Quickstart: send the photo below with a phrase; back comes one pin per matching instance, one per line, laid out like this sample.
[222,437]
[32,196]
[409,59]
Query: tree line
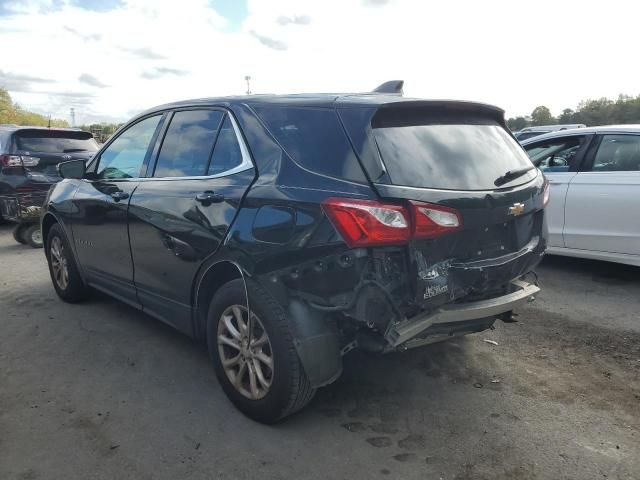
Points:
[101,131]
[12,113]
[603,111]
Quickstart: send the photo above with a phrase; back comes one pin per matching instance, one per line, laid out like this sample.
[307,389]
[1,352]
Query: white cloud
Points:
[148,52]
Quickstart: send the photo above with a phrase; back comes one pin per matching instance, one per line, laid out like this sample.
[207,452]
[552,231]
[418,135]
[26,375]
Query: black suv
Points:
[29,155]
[284,231]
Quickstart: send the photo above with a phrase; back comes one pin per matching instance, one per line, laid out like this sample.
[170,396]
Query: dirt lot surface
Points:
[101,391]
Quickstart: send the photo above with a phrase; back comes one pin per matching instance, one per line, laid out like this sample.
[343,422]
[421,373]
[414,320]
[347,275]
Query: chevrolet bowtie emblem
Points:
[516,209]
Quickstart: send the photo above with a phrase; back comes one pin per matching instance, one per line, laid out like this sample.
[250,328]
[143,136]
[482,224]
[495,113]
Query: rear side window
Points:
[314,139]
[618,153]
[452,156]
[188,143]
[226,153]
[44,141]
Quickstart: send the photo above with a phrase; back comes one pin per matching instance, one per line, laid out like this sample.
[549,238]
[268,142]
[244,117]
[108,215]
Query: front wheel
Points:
[62,267]
[254,356]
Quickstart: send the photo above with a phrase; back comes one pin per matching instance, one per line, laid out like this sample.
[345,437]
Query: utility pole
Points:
[247,79]
[73,116]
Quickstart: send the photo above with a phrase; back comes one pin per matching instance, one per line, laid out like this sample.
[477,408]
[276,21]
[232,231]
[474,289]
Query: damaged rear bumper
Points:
[402,332]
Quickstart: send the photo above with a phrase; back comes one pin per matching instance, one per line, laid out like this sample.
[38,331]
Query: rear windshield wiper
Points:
[512,175]
[70,150]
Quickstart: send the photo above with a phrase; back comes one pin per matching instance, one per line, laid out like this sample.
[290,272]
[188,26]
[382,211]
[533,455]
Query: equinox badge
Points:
[516,209]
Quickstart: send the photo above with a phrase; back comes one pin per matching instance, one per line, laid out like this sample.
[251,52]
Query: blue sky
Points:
[234,11]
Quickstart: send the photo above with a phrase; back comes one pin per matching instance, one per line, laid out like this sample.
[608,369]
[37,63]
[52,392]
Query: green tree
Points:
[542,116]
[567,116]
[517,123]
[11,112]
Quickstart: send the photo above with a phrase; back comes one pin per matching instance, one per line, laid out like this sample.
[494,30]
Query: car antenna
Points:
[49,125]
[392,86]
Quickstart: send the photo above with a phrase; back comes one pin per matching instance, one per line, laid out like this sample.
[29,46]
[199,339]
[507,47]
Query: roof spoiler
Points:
[392,86]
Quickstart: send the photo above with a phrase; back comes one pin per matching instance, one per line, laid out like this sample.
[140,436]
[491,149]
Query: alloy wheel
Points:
[245,352]
[59,264]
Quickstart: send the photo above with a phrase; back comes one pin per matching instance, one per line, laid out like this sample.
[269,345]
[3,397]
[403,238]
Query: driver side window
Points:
[555,155]
[125,156]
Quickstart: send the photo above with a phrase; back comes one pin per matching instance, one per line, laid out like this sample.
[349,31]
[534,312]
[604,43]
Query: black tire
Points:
[290,389]
[73,290]
[33,236]
[18,234]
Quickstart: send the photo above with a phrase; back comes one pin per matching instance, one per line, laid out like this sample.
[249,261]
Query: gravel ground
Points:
[101,391]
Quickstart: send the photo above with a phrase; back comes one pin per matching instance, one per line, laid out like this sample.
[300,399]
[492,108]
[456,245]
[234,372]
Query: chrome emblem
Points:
[66,157]
[516,209]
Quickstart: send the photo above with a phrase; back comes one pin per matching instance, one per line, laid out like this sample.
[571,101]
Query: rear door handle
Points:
[119,195]
[209,197]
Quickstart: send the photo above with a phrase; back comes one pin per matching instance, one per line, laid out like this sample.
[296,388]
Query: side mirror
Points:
[72,169]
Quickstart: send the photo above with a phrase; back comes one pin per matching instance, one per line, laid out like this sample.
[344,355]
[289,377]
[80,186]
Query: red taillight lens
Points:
[10,160]
[18,161]
[434,220]
[366,222]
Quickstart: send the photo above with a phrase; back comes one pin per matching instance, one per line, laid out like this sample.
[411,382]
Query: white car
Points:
[594,172]
[530,132]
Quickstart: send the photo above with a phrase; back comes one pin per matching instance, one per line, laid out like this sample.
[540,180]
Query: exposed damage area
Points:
[391,298]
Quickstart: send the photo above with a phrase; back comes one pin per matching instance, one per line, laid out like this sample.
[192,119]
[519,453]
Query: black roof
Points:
[326,100]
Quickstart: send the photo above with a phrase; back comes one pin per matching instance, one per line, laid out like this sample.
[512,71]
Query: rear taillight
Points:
[367,222]
[10,160]
[431,220]
[18,161]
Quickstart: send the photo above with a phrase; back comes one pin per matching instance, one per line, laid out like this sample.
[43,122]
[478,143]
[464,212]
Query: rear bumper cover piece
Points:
[459,312]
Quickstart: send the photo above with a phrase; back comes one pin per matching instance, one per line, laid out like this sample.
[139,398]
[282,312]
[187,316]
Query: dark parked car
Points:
[29,155]
[285,231]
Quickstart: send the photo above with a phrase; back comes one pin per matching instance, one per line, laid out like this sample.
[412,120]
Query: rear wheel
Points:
[62,267]
[33,236]
[18,234]
[254,356]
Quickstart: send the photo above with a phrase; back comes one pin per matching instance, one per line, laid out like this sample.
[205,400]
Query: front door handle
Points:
[209,197]
[119,195]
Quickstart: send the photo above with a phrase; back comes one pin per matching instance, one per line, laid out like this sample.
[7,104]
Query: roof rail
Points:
[392,86]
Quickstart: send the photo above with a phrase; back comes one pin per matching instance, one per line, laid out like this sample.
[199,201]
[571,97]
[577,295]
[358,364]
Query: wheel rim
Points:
[59,263]
[36,237]
[245,352]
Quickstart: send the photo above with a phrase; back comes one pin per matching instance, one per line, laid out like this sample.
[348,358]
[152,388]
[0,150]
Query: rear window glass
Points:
[314,139]
[43,141]
[451,156]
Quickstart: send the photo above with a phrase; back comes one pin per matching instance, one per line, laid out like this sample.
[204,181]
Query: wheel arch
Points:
[315,336]
[48,221]
[212,279]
